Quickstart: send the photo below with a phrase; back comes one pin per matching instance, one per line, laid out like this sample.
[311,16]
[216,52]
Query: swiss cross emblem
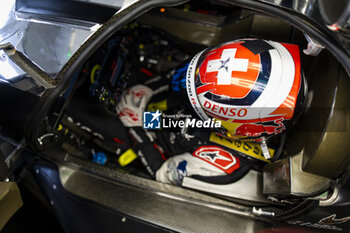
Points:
[230,70]
[226,64]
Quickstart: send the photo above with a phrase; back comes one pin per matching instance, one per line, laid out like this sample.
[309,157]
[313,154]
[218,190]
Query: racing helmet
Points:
[254,87]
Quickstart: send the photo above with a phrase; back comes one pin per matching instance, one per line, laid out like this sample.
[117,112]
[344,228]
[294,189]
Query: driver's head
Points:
[252,86]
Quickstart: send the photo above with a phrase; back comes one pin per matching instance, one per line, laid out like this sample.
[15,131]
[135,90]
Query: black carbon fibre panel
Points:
[168,211]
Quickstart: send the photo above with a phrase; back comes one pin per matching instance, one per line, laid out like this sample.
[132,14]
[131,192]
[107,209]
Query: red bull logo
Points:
[256,130]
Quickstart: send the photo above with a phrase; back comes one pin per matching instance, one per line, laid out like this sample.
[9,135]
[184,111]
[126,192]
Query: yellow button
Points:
[127,157]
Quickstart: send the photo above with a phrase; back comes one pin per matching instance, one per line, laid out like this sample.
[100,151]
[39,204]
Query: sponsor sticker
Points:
[218,157]
[191,89]
[246,147]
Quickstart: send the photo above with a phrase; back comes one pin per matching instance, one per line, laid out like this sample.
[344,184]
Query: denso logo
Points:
[225,111]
